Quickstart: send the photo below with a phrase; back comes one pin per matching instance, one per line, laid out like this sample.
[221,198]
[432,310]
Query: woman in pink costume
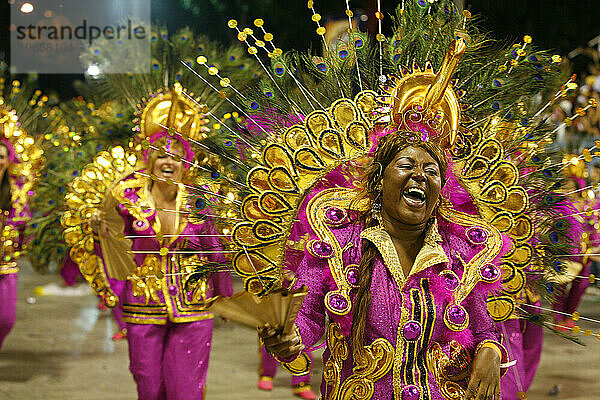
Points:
[420,273]
[15,213]
[168,329]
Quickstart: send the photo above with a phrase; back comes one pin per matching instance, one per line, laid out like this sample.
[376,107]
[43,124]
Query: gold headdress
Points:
[325,140]
[425,97]
[170,109]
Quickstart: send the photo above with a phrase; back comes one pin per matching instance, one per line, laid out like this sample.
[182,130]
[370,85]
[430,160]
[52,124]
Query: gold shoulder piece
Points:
[490,251]
[337,301]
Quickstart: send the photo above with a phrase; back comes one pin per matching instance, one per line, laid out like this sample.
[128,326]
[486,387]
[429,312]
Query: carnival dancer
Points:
[404,284]
[410,257]
[169,331]
[17,177]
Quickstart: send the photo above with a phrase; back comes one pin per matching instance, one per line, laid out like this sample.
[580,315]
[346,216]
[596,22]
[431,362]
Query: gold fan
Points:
[279,309]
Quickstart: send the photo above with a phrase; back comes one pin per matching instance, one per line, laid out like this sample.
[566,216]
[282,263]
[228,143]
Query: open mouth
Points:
[167,171]
[414,196]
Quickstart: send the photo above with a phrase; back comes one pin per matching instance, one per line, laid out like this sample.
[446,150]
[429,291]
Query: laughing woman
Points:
[419,327]
[169,331]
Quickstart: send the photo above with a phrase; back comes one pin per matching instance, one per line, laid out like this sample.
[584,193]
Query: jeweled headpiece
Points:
[423,101]
[170,109]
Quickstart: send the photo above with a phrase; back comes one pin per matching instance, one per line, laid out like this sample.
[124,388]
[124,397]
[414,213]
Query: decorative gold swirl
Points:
[146,279]
[437,363]
[332,370]
[372,364]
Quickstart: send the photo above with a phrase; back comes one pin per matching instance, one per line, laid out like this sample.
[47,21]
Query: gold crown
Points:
[425,97]
[172,109]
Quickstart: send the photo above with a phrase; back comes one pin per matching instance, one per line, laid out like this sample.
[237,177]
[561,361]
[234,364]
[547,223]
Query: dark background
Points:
[555,24]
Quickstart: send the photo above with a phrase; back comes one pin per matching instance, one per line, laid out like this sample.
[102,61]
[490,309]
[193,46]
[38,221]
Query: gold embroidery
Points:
[399,357]
[430,254]
[438,363]
[142,208]
[198,285]
[332,370]
[372,364]
[315,212]
[146,279]
[492,248]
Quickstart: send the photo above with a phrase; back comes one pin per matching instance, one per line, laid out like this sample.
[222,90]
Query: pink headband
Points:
[12,157]
[187,149]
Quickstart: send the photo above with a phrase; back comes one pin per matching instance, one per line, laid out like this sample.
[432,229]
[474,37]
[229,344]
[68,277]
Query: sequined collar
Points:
[430,254]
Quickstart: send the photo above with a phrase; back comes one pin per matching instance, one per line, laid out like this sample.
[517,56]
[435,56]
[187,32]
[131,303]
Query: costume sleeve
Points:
[481,324]
[311,318]
[221,282]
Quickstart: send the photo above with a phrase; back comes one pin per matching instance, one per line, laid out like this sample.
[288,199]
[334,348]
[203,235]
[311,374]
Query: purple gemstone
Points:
[451,281]
[335,215]
[411,331]
[172,290]
[321,249]
[489,272]
[456,315]
[139,223]
[338,302]
[477,235]
[352,276]
[411,392]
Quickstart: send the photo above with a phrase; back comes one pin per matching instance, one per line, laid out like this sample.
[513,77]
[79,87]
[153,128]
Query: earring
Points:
[376,208]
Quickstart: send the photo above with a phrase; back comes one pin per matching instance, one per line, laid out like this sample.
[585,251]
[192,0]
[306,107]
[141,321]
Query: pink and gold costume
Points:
[24,158]
[168,329]
[416,324]
[12,220]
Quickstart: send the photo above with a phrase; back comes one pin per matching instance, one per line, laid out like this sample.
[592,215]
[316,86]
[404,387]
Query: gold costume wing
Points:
[90,194]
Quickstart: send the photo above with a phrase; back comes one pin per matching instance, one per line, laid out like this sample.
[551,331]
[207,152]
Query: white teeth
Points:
[416,192]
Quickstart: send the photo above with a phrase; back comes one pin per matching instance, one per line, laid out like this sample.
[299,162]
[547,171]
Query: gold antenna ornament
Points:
[423,97]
